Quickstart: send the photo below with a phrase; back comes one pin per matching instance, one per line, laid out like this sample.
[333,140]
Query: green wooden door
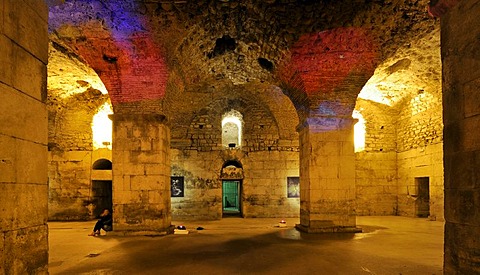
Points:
[231,196]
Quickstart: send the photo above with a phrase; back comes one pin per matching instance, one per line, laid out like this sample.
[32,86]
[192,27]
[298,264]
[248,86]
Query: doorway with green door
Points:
[231,194]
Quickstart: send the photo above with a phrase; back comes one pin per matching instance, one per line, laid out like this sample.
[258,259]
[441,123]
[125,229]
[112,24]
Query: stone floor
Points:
[388,245]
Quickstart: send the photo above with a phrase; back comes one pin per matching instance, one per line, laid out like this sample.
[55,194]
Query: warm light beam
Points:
[102,127]
[359,132]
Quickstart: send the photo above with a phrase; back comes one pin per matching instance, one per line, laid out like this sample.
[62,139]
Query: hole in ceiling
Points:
[223,45]
[110,59]
[265,63]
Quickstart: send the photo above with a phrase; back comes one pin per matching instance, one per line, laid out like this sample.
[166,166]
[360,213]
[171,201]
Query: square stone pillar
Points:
[460,34]
[327,175]
[23,137]
[141,174]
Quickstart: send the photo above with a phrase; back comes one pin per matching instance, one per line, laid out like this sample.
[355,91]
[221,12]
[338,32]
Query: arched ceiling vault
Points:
[319,52]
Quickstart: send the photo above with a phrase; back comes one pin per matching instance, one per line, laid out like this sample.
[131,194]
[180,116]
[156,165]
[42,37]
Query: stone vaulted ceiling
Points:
[320,53]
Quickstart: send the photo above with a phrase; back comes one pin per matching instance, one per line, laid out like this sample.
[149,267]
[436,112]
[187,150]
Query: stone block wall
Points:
[260,131]
[376,166]
[264,186]
[402,143]
[141,173]
[23,137]
[461,82]
[70,178]
[74,97]
[70,119]
[418,163]
[203,188]
[420,150]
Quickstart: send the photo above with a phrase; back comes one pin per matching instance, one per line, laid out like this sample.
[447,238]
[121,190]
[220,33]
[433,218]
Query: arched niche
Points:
[232,169]
[102,164]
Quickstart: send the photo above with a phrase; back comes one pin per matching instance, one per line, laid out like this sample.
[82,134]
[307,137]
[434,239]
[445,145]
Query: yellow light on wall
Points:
[359,132]
[421,102]
[102,127]
[372,93]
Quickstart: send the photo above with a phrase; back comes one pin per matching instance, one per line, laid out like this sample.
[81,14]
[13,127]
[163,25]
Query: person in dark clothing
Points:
[105,223]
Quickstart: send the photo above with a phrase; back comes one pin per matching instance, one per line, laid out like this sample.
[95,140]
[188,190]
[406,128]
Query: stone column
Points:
[460,42]
[141,174]
[327,175]
[23,137]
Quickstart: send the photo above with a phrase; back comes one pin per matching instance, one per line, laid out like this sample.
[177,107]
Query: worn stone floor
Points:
[388,245]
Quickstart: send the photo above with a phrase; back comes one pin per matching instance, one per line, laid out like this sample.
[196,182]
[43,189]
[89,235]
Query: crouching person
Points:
[105,222]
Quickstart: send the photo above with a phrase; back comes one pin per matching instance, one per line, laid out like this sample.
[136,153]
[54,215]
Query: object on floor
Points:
[181,229]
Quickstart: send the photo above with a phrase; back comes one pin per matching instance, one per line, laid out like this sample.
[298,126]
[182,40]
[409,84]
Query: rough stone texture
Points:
[264,183]
[401,105]
[421,162]
[268,153]
[461,75]
[194,61]
[327,175]
[70,120]
[75,94]
[376,166]
[23,137]
[420,130]
[269,116]
[141,173]
[70,178]
[203,188]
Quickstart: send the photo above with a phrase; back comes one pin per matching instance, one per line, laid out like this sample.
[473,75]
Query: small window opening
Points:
[223,45]
[102,127]
[232,124]
[359,132]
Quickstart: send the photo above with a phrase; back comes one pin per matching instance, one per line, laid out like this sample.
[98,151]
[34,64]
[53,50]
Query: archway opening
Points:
[102,164]
[232,175]
[102,197]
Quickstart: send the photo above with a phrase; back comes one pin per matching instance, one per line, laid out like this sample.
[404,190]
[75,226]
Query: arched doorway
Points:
[232,175]
[101,186]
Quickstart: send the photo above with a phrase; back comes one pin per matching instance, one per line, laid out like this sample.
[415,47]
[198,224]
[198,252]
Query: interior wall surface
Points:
[461,100]
[263,184]
[376,166]
[420,151]
[23,137]
[423,162]
[72,104]
[70,177]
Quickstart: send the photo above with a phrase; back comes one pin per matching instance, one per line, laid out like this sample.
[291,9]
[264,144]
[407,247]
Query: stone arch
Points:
[232,169]
[233,162]
[102,164]
[206,124]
